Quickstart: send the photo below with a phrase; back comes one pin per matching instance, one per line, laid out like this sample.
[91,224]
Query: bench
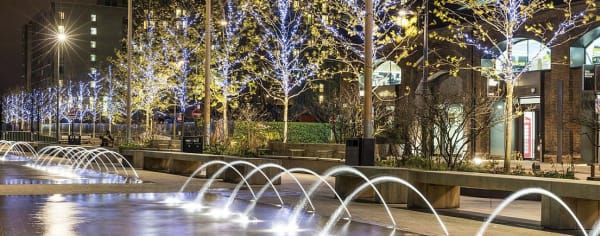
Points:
[324,153]
[442,189]
[296,151]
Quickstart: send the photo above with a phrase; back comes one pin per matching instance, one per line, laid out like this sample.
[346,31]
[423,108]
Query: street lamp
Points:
[61,38]
[207,74]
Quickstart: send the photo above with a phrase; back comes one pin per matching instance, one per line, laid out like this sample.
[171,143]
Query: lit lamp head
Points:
[403,17]
[61,37]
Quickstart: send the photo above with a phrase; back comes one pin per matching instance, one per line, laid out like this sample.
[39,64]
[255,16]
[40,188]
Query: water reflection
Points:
[144,214]
[59,217]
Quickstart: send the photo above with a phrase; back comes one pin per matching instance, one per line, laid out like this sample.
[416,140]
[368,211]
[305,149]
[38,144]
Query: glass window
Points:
[92,57]
[592,52]
[93,31]
[61,15]
[527,55]
[93,70]
[93,44]
[61,29]
[93,17]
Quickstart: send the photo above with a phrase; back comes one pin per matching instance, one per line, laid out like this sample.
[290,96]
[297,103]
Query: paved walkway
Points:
[522,218]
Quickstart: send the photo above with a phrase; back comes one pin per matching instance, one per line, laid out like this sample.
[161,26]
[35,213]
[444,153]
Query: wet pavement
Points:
[145,214]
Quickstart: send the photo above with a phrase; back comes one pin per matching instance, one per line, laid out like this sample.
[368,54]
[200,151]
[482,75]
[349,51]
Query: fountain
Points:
[73,162]
[238,209]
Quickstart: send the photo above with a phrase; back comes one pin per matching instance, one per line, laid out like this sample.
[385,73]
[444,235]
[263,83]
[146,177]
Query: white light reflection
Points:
[58,217]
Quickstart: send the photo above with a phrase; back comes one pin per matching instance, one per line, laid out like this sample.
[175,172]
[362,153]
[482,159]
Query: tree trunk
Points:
[508,125]
[285,119]
[94,124]
[225,125]
[49,126]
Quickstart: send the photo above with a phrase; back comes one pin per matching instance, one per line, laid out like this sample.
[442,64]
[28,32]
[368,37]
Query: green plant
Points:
[130,146]
[216,148]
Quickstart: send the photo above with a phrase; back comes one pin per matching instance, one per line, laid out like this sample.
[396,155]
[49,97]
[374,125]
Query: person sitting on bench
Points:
[106,139]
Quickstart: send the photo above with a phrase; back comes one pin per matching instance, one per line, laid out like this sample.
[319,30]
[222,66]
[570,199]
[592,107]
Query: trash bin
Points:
[352,151]
[191,144]
[74,139]
[360,152]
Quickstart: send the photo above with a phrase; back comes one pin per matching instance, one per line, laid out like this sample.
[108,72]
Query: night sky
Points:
[13,15]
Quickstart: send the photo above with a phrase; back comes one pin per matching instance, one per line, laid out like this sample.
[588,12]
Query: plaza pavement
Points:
[520,218]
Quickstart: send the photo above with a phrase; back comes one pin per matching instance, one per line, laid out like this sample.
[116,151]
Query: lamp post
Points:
[207,74]
[223,24]
[368,104]
[129,65]
[94,108]
[61,37]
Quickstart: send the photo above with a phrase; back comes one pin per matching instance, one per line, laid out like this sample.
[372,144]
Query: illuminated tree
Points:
[113,103]
[149,72]
[82,108]
[46,102]
[182,48]
[287,65]
[95,89]
[494,26]
[231,54]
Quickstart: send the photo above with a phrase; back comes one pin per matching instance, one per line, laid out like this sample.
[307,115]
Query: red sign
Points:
[196,113]
[71,114]
[527,148]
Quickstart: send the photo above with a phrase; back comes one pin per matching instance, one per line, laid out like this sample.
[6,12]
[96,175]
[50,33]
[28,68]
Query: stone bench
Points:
[316,164]
[442,189]
[186,163]
[173,162]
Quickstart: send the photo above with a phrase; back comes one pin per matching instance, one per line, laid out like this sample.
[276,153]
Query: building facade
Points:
[93,30]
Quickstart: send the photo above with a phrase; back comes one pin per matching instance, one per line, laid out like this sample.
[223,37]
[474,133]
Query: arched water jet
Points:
[596,228]
[98,154]
[336,215]
[19,149]
[524,192]
[265,186]
[297,170]
[206,165]
[88,157]
[81,160]
[231,165]
[334,171]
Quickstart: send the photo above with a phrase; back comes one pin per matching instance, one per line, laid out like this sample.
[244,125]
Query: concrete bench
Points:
[442,189]
[315,164]
[172,162]
[186,163]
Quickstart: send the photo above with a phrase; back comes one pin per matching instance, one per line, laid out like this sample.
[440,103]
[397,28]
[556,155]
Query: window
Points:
[592,52]
[92,57]
[527,55]
[92,44]
[61,15]
[93,17]
[93,70]
[93,31]
[61,29]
